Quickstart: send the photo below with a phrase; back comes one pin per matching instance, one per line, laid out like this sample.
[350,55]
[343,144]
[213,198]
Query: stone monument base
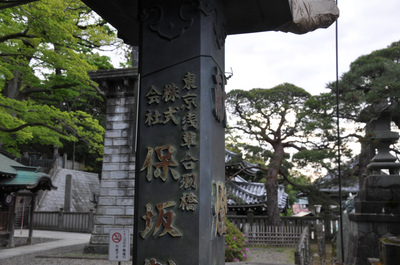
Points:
[389,249]
[365,231]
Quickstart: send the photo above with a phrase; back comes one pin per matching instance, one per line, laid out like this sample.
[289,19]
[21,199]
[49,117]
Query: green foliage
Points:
[46,97]
[279,129]
[26,122]
[100,62]
[235,243]
[266,120]
[371,86]
[298,182]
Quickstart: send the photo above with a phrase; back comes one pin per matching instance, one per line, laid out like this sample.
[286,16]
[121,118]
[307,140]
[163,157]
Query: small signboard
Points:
[119,245]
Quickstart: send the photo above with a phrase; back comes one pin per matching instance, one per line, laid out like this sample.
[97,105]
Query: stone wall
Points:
[365,232]
[83,186]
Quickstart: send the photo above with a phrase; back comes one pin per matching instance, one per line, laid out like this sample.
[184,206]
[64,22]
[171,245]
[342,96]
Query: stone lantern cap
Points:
[243,16]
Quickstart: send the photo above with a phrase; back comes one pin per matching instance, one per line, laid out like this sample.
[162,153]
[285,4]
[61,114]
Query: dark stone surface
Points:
[378,211]
[365,228]
[365,252]
[382,207]
[390,251]
[254,16]
[381,228]
[371,239]
[4,238]
[177,141]
[383,181]
[394,228]
[373,217]
[96,249]
[380,194]
[359,261]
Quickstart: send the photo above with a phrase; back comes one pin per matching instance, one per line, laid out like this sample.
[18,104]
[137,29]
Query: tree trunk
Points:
[272,202]
[11,88]
[367,150]
[272,186]
[366,154]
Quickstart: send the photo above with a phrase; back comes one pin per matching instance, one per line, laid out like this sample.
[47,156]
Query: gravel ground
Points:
[73,255]
[271,255]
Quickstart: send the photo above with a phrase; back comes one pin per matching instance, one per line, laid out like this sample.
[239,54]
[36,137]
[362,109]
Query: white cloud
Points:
[267,59]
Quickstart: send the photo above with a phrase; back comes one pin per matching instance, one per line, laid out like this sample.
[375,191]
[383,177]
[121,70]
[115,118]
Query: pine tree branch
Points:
[16,36]
[30,90]
[99,92]
[34,124]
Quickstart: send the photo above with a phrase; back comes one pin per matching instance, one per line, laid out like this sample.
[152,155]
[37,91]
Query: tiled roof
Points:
[235,160]
[8,167]
[326,183]
[253,193]
[16,176]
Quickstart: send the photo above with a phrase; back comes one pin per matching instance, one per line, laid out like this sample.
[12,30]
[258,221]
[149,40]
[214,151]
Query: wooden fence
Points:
[287,236]
[64,221]
[330,223]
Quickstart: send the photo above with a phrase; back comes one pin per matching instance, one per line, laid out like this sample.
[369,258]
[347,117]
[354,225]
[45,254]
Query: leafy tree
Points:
[371,86]
[271,125]
[298,183]
[267,117]
[46,96]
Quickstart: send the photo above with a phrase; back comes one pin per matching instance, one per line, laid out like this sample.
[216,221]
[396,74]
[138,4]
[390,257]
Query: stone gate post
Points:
[180,207]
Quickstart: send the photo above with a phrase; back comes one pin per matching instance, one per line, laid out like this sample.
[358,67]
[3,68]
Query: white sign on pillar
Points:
[119,245]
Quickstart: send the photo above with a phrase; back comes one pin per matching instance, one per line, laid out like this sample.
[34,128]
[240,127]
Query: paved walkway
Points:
[45,253]
[63,239]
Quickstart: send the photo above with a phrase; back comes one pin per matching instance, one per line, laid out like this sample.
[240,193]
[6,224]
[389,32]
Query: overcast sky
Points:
[267,59]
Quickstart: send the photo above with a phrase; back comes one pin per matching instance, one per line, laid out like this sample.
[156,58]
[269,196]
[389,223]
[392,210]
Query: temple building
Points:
[17,180]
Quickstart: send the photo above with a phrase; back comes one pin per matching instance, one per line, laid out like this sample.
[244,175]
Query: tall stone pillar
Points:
[378,211]
[180,202]
[116,198]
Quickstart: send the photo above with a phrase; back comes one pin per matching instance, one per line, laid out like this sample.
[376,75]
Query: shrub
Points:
[235,243]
